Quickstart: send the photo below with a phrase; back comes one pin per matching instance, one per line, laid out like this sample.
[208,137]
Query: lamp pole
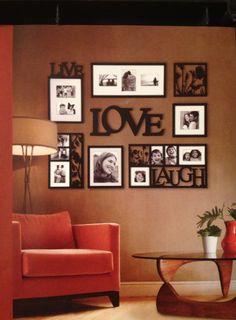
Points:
[27,158]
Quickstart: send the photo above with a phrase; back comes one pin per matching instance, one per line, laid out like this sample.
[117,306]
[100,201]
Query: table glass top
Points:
[219,255]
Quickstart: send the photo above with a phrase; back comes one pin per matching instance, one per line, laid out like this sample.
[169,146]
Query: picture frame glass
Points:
[65,99]
[105,166]
[189,120]
[128,80]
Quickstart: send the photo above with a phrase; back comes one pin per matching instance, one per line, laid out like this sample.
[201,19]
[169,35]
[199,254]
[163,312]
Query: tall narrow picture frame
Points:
[105,166]
[127,79]
[65,99]
[66,167]
[190,79]
[190,120]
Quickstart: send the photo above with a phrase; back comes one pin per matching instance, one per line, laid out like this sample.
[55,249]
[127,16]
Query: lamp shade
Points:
[28,133]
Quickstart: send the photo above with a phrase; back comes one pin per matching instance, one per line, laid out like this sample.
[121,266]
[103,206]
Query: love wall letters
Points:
[152,123]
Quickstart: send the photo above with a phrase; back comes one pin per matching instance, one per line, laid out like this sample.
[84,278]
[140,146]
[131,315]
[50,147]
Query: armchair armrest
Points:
[102,236]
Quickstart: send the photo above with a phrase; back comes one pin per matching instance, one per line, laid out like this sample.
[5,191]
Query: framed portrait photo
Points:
[189,120]
[133,80]
[190,155]
[66,165]
[190,79]
[139,177]
[65,99]
[105,166]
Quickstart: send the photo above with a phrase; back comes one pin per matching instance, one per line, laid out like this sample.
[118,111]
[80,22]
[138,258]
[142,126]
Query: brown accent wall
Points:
[6,172]
[150,219]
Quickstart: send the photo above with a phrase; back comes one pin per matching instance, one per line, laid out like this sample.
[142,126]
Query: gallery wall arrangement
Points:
[172,165]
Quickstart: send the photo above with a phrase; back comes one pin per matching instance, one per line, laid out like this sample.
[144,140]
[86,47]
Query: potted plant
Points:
[210,232]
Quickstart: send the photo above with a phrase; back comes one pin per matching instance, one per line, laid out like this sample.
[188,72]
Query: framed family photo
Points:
[190,155]
[134,80]
[190,79]
[189,120]
[66,166]
[65,99]
[105,166]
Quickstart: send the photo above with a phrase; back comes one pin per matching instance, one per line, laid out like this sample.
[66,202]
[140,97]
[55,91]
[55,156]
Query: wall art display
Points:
[168,165]
[66,166]
[137,80]
[65,99]
[189,120]
[105,166]
[190,79]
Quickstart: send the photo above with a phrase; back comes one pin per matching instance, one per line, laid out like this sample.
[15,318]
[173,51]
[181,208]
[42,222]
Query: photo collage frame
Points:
[168,165]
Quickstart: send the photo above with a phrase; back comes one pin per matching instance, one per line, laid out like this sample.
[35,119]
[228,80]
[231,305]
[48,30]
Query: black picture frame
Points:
[105,166]
[66,99]
[155,166]
[190,120]
[128,79]
[190,79]
[70,155]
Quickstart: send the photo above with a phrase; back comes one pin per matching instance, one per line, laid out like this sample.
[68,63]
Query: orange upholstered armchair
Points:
[51,257]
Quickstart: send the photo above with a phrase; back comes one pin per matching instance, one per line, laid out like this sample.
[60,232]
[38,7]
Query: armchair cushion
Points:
[46,231]
[66,262]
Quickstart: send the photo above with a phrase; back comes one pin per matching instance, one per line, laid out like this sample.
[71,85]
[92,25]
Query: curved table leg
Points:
[170,302]
[225,272]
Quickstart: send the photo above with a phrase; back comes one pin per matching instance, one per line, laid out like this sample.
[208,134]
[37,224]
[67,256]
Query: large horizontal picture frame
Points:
[128,79]
[190,120]
[105,167]
[66,167]
[65,99]
[168,166]
[190,79]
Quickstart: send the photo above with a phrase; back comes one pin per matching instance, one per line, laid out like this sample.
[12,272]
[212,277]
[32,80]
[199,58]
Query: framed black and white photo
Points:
[190,79]
[192,155]
[65,99]
[140,176]
[66,166]
[105,166]
[189,120]
[134,80]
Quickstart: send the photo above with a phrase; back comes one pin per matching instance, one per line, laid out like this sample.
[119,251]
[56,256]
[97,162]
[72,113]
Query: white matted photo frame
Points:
[190,120]
[105,166]
[126,79]
[65,99]
[190,155]
[139,177]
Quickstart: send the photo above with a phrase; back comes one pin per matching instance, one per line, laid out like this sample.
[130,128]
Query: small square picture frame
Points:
[105,167]
[190,120]
[65,99]
[190,79]
[190,155]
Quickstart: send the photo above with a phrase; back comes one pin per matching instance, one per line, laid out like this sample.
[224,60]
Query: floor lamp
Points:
[32,137]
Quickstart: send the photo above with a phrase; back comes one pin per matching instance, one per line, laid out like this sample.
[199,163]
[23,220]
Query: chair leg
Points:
[114,297]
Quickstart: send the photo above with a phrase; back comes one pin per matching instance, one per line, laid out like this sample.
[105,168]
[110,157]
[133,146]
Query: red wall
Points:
[6,171]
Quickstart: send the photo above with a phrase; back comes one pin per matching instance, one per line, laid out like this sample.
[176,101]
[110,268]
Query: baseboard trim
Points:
[150,288]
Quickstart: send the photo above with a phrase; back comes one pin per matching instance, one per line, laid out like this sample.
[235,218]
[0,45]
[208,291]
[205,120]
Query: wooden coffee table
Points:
[170,302]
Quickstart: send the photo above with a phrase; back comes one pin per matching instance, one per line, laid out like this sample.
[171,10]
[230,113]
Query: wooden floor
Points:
[138,308]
